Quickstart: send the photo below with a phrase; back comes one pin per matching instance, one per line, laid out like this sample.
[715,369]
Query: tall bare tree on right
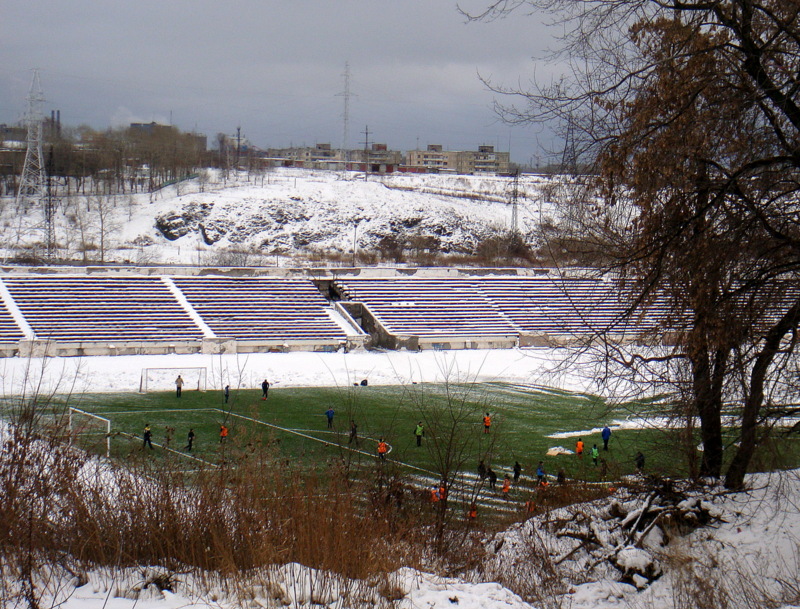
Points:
[689,113]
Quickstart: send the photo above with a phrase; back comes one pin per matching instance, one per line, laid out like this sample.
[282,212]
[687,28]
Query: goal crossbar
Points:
[195,377]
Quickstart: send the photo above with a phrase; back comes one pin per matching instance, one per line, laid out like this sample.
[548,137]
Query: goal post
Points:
[163,379]
[82,423]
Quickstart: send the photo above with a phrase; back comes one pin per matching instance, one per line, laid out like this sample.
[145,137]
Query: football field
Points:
[292,422]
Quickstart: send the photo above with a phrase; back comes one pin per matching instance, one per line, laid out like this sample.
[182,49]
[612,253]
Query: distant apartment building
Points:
[377,159]
[319,156]
[485,160]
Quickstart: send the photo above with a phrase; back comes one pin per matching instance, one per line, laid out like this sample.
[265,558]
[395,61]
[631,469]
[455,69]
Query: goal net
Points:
[90,430]
[163,379]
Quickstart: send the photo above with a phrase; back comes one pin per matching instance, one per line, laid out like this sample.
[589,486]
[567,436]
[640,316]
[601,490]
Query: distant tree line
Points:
[115,161]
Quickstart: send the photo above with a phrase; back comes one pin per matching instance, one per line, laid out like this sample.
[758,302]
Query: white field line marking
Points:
[187,410]
[172,450]
[304,435]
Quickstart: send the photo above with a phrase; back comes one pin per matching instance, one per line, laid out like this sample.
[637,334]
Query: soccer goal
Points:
[163,379]
[90,428]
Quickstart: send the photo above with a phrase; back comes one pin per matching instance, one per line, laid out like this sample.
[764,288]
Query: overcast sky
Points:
[276,69]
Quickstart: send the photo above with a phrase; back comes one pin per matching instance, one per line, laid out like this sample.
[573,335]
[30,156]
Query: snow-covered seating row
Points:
[539,305]
[9,330]
[79,309]
[428,307]
[254,308]
[571,306]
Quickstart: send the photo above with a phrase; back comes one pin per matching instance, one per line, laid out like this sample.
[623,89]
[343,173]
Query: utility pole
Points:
[238,146]
[49,209]
[514,200]
[366,153]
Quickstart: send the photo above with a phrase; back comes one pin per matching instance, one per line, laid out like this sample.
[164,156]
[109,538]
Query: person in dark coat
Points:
[329,413]
[148,437]
[227,393]
[190,440]
[517,471]
[353,433]
[492,476]
[264,389]
[481,470]
[639,460]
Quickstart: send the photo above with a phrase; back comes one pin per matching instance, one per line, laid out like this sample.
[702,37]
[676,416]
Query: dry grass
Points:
[59,507]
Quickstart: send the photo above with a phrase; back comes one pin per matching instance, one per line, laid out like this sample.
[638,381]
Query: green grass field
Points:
[292,422]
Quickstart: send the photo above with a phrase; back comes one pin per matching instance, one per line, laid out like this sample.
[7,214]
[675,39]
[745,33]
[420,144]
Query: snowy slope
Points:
[284,212]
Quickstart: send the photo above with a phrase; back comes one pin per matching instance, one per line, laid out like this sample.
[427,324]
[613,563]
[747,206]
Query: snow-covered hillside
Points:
[265,218]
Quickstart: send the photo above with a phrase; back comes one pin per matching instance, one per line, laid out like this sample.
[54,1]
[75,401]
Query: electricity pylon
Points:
[31,191]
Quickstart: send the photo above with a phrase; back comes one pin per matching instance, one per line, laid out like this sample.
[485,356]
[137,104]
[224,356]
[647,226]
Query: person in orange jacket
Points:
[434,494]
[506,486]
[223,433]
[487,423]
[472,513]
[383,448]
[579,447]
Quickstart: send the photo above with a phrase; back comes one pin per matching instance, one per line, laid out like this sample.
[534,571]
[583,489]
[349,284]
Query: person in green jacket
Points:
[595,454]
[419,431]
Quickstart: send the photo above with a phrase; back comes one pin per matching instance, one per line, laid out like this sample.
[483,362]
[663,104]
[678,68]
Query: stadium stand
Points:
[428,307]
[92,314]
[81,309]
[261,309]
[538,305]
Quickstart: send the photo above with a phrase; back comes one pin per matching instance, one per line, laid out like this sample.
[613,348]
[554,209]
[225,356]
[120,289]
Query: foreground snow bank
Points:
[661,547]
[289,585]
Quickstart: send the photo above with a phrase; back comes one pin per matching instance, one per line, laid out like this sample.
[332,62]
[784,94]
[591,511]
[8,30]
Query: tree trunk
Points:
[707,388]
[734,478]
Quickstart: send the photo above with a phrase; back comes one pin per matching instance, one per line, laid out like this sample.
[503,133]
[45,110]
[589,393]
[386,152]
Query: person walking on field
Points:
[487,423]
[264,389]
[227,393]
[353,433]
[595,454]
[223,433]
[189,440]
[517,471]
[639,460]
[329,413]
[606,435]
[178,386]
[148,437]
[540,473]
[506,486]
[419,431]
[383,448]
[492,476]
[579,447]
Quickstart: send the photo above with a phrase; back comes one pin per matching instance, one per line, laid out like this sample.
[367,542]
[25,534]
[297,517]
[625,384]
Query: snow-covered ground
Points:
[538,367]
[282,217]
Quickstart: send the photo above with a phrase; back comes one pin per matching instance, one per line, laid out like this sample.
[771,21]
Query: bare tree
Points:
[690,113]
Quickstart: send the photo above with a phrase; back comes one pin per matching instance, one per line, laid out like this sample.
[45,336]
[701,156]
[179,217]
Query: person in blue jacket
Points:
[606,435]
